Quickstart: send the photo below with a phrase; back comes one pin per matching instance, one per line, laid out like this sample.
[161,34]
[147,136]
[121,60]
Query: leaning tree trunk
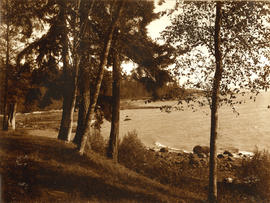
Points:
[114,135]
[70,88]
[103,62]
[212,196]
[12,107]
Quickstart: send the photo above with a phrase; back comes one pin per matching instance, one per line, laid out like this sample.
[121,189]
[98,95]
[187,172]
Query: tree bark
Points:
[114,134]
[70,80]
[212,196]
[84,102]
[67,114]
[5,119]
[84,82]
[103,62]
[12,107]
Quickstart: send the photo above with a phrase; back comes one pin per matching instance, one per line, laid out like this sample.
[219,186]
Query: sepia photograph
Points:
[134,101]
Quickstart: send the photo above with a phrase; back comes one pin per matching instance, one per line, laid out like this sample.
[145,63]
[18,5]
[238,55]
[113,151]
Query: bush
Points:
[97,143]
[135,156]
[132,152]
[255,172]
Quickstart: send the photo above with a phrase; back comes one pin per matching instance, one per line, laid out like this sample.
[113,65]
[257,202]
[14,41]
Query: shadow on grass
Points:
[38,168]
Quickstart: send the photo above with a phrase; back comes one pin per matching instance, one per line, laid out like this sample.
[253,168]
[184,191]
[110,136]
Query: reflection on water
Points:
[185,129]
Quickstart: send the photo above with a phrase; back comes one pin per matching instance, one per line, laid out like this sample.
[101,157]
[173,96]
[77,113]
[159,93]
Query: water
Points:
[185,129]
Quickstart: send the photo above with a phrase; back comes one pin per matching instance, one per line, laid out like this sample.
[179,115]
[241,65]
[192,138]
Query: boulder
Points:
[164,149]
[201,155]
[228,153]
[201,150]
[220,156]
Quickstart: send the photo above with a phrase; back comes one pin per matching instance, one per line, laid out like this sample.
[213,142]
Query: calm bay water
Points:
[185,129]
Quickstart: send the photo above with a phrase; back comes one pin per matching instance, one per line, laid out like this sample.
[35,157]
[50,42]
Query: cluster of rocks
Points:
[227,160]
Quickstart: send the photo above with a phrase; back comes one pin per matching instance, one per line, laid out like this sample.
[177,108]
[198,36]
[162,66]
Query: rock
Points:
[179,154]
[201,150]
[220,156]
[228,153]
[164,149]
[202,155]
[127,119]
[194,162]
[229,159]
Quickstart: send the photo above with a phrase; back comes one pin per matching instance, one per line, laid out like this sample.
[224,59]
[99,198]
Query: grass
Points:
[42,169]
[134,155]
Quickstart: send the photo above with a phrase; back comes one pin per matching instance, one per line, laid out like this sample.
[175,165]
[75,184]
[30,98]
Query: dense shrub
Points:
[134,155]
[132,152]
[255,172]
[97,143]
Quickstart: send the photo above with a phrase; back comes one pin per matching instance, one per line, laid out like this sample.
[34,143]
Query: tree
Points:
[17,23]
[56,45]
[212,196]
[130,42]
[70,73]
[225,56]
[103,62]
[114,134]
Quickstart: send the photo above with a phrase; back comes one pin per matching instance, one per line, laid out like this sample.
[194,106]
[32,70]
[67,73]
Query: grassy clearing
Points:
[40,169]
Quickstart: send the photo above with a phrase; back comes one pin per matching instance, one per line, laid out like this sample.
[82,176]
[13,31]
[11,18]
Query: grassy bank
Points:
[36,167]
[41,169]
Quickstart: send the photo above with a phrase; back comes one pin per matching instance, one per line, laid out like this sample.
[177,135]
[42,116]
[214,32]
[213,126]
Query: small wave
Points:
[158,145]
[246,153]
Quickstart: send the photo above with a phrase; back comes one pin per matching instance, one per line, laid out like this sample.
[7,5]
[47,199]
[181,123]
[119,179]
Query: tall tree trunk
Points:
[103,62]
[83,84]
[212,196]
[12,107]
[67,114]
[84,102]
[114,135]
[5,120]
[70,88]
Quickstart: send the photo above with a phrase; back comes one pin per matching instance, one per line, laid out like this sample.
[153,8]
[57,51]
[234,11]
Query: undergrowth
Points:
[255,172]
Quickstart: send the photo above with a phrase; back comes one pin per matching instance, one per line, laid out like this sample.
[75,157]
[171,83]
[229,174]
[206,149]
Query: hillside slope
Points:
[42,169]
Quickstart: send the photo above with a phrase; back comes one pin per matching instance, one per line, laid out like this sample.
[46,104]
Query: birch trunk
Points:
[103,62]
[12,107]
[212,196]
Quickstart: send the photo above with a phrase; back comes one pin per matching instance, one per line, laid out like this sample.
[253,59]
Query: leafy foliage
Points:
[245,45]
